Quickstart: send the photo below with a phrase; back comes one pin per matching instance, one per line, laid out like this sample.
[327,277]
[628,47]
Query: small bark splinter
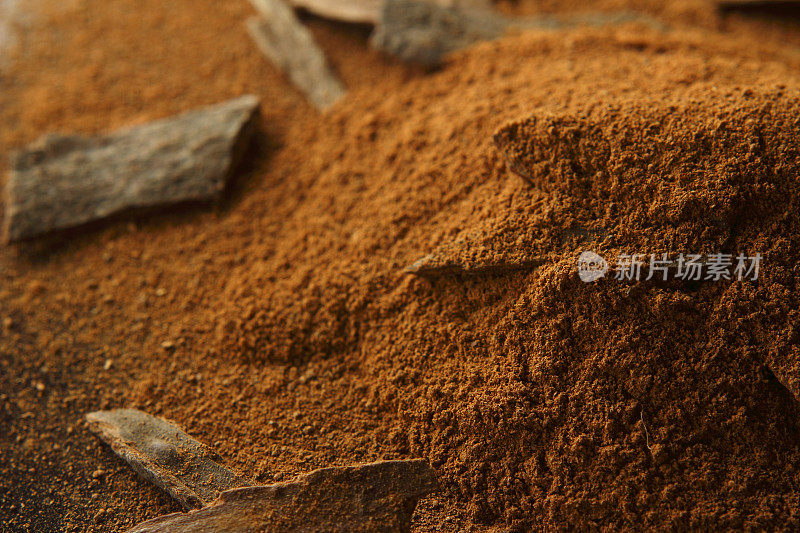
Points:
[162,453]
[376,497]
[286,42]
[432,266]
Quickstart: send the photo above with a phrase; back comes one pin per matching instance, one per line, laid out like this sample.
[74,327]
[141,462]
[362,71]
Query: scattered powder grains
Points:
[296,340]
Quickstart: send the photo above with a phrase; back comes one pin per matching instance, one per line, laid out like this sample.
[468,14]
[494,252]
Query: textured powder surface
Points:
[282,330]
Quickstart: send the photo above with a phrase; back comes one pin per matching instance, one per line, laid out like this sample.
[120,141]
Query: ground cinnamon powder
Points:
[281,329]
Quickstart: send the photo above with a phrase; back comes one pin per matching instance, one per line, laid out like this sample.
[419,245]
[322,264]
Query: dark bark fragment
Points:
[162,453]
[61,182]
[286,42]
[376,497]
[424,32]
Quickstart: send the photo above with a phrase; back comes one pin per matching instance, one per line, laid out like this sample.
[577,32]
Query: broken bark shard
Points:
[424,32]
[434,266]
[356,11]
[375,497]
[61,182]
[287,43]
[162,453]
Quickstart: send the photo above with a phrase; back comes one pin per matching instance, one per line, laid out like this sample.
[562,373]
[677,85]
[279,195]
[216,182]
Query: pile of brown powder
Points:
[282,329]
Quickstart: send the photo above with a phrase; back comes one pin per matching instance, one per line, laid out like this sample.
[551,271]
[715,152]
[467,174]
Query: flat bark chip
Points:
[61,182]
[162,453]
[286,42]
[376,497]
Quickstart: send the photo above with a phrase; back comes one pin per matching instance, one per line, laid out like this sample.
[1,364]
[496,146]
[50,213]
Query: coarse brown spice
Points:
[281,328]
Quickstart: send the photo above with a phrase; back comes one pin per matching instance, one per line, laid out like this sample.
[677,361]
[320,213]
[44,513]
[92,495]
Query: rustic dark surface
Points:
[64,181]
[161,452]
[376,497]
